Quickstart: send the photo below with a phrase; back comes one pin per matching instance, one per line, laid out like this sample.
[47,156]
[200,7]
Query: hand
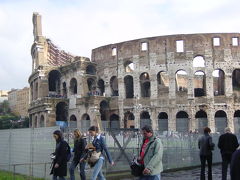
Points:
[56,165]
[146,171]
[112,163]
[81,160]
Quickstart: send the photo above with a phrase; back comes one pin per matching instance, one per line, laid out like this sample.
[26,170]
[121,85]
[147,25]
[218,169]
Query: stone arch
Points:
[91,84]
[145,85]
[104,112]
[54,81]
[181,81]
[42,121]
[237,121]
[220,121]
[236,80]
[202,120]
[198,61]
[129,66]
[163,121]
[182,122]
[145,119]
[199,84]
[114,121]
[90,69]
[129,88]
[101,86]
[73,122]
[114,85]
[61,111]
[163,83]
[129,120]
[85,122]
[218,82]
[73,86]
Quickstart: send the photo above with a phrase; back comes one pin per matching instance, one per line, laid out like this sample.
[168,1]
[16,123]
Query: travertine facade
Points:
[19,101]
[177,82]
[3,95]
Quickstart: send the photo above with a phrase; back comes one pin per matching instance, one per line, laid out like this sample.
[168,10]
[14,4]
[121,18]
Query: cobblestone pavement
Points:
[193,174]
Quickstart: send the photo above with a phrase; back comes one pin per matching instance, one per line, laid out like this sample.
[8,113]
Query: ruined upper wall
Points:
[163,46]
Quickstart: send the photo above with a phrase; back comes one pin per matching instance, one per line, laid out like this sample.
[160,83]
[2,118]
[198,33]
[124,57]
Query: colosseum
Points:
[175,83]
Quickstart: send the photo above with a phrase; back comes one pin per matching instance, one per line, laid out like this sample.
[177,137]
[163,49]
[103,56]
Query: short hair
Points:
[93,128]
[58,133]
[147,128]
[227,129]
[206,130]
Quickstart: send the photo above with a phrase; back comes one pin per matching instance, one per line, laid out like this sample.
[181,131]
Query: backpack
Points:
[69,154]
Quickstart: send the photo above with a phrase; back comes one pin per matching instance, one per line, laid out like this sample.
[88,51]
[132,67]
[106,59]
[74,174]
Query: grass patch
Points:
[9,176]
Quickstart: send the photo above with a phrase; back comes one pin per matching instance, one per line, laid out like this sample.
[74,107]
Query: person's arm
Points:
[104,146]
[82,146]
[157,156]
[235,142]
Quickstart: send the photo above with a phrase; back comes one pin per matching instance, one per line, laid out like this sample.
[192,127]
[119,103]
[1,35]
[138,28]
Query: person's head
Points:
[206,130]
[227,130]
[77,133]
[147,131]
[93,130]
[57,135]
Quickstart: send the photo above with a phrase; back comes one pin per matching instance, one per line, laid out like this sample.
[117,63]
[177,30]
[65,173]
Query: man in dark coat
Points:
[227,143]
[59,167]
[235,164]
[206,146]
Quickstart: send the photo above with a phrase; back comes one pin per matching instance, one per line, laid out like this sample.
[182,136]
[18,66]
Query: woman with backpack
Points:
[99,146]
[59,166]
[79,148]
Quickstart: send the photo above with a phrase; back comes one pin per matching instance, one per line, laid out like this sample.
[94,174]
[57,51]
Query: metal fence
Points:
[27,151]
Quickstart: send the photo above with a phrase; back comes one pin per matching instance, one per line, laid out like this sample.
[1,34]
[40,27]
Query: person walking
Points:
[59,166]
[99,145]
[151,155]
[79,148]
[206,146]
[227,144]
[235,164]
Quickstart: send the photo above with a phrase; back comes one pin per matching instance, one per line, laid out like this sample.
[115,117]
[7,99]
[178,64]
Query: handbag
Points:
[137,168]
[92,157]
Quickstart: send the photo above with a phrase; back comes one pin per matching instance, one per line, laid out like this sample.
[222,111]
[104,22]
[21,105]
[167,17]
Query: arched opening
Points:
[73,86]
[54,82]
[199,84]
[101,86]
[129,89]
[237,122]
[61,114]
[163,83]
[73,122]
[114,121]
[129,66]
[64,89]
[145,85]
[91,85]
[163,121]
[85,122]
[218,82]
[41,124]
[104,112]
[114,85]
[201,120]
[236,80]
[182,122]
[198,61]
[181,81]
[145,119]
[129,120]
[220,121]
[91,70]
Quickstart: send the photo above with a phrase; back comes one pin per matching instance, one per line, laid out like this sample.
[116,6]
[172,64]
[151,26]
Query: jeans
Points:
[154,177]
[226,159]
[97,170]
[55,178]
[82,170]
[203,159]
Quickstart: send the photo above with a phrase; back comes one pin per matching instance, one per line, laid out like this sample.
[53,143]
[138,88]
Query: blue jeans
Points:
[82,170]
[154,177]
[97,170]
[55,178]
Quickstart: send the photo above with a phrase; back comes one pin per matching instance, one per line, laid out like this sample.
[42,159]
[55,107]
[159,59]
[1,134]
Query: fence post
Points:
[14,166]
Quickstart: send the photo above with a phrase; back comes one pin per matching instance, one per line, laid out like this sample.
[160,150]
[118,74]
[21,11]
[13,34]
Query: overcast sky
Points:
[78,26]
